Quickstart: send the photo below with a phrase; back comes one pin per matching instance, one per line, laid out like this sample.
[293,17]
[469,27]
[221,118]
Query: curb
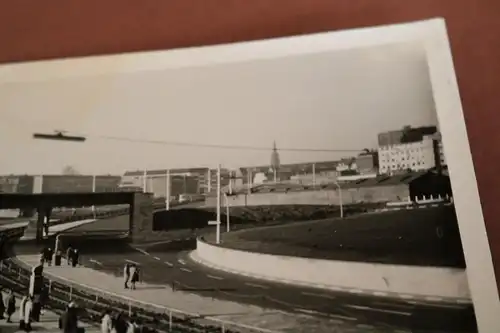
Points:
[407,297]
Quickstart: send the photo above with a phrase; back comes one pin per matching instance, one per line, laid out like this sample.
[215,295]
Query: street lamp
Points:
[217,221]
[227,212]
[340,200]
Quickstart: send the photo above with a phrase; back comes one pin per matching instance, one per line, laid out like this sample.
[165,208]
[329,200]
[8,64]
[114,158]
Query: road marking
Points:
[131,261]
[256,285]
[356,291]
[317,295]
[366,308]
[337,316]
[433,298]
[185,270]
[182,262]
[380,293]
[95,262]
[396,305]
[157,258]
[142,251]
[306,311]
[214,277]
[169,264]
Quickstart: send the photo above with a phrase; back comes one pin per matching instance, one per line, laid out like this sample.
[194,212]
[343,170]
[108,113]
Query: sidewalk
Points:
[247,318]
[49,322]
[56,229]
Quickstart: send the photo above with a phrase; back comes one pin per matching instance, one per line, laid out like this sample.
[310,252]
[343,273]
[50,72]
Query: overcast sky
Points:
[336,100]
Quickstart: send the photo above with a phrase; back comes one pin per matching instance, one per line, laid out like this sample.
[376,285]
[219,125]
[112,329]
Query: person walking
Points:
[11,305]
[106,322]
[2,306]
[126,275]
[22,316]
[76,257]
[134,275]
[69,255]
[68,322]
[28,314]
[48,258]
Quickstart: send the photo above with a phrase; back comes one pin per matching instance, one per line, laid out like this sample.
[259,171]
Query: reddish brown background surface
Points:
[34,30]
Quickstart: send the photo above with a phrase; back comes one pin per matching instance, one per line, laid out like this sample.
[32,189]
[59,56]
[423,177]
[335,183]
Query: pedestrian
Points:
[22,308]
[28,314]
[76,257]
[134,275]
[46,227]
[11,305]
[2,306]
[120,324]
[68,321]
[44,297]
[37,307]
[106,322]
[69,255]
[50,253]
[126,275]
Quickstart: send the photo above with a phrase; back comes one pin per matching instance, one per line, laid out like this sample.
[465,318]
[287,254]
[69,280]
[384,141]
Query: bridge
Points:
[140,212]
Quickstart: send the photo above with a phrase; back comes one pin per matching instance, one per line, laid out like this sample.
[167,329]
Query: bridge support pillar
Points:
[141,218]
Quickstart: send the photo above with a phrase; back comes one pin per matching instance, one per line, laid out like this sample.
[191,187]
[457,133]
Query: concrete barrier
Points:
[412,282]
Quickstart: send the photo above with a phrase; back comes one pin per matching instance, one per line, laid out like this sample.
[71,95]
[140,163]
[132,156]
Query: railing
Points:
[16,277]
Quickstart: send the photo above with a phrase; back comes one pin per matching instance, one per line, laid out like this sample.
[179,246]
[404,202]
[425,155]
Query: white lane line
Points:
[366,308]
[169,263]
[440,305]
[157,258]
[433,298]
[396,305]
[214,277]
[95,262]
[132,262]
[186,270]
[256,285]
[342,317]
[356,291]
[142,251]
[317,295]
[182,262]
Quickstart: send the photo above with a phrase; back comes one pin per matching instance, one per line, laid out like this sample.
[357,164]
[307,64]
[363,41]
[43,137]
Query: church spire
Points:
[275,161]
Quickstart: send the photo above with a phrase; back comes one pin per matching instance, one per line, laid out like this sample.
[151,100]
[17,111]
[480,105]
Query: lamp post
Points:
[167,190]
[144,181]
[340,200]
[217,222]
[228,218]
[93,191]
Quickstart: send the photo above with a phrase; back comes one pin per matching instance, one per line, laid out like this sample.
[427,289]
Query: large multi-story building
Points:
[416,149]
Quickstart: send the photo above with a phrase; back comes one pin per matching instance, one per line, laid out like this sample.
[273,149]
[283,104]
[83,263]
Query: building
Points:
[405,135]
[367,163]
[415,149]
[58,183]
[182,181]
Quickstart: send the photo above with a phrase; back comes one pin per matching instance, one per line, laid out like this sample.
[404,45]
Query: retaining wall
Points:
[318,197]
[379,279]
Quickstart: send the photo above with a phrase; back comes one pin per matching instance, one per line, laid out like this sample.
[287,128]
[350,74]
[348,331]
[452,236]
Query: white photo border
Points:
[433,36]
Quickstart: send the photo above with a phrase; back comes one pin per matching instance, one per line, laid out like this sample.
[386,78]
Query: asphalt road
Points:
[169,264]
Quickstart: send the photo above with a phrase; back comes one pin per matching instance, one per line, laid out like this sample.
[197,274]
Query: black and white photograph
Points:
[318,183]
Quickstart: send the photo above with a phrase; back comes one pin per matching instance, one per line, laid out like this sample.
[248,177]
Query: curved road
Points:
[169,264]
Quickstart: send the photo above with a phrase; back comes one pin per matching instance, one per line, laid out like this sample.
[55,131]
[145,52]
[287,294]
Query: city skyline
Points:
[252,103]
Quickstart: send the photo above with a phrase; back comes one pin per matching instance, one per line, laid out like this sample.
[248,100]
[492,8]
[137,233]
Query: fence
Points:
[17,278]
